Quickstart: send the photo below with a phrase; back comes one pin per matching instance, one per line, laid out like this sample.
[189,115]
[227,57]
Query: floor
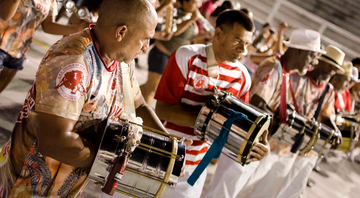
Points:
[344,175]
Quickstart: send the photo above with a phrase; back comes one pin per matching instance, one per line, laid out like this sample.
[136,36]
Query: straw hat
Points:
[306,40]
[334,56]
[348,68]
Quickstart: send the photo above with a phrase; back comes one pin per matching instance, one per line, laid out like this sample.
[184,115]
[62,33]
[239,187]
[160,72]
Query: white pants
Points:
[230,177]
[299,176]
[270,179]
[182,189]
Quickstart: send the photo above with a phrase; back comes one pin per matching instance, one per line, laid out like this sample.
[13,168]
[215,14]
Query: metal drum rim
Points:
[245,145]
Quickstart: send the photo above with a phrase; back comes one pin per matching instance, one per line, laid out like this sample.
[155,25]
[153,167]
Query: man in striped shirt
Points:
[185,87]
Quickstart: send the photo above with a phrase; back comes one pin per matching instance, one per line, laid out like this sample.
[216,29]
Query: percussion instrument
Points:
[81,12]
[294,129]
[349,137]
[243,134]
[151,170]
[327,137]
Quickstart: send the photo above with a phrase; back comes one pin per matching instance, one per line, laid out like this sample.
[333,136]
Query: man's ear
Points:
[120,32]
[218,32]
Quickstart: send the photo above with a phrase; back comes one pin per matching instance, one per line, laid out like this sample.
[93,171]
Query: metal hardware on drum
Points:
[242,134]
[294,125]
[152,169]
[327,137]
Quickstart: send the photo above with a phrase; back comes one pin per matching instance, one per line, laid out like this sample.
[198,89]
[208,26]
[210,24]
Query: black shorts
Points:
[157,60]
[9,62]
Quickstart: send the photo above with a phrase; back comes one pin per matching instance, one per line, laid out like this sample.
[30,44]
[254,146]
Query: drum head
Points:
[261,124]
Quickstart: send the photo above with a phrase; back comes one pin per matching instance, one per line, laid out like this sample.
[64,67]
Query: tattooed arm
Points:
[8,8]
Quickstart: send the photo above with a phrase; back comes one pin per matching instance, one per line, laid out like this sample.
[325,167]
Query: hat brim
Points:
[287,43]
[340,69]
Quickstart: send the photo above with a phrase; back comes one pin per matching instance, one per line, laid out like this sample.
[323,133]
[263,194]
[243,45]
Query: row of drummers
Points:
[297,129]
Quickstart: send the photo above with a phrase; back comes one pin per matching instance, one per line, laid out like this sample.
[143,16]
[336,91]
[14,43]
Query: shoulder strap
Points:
[129,105]
[211,62]
[321,100]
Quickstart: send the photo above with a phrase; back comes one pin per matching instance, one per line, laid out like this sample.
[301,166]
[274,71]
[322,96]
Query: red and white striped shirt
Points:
[185,81]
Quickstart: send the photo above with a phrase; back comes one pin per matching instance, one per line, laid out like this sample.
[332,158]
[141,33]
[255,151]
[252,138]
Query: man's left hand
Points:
[259,150]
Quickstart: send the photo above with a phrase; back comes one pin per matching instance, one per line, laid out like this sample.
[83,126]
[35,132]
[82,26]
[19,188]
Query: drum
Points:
[243,134]
[295,126]
[152,169]
[324,142]
[349,137]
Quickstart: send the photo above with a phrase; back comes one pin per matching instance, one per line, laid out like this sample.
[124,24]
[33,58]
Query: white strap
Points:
[129,107]
[211,62]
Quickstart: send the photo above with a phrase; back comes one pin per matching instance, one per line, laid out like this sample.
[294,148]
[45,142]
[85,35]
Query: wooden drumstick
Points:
[117,168]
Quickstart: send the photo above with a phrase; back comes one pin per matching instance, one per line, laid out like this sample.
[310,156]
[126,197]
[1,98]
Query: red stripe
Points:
[230,79]
[182,129]
[192,162]
[194,152]
[198,70]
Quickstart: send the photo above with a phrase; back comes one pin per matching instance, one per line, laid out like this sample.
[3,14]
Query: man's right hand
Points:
[187,143]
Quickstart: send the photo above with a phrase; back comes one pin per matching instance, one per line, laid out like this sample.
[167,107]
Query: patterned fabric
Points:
[17,33]
[72,82]
[185,81]
[267,82]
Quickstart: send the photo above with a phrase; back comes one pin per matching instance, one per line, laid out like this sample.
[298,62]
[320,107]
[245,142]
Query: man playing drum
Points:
[306,91]
[78,84]
[185,86]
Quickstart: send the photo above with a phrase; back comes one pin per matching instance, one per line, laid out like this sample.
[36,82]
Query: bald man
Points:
[78,84]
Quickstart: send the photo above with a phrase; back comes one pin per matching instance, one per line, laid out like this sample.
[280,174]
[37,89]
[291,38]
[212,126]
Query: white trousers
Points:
[299,176]
[182,189]
[269,180]
[230,177]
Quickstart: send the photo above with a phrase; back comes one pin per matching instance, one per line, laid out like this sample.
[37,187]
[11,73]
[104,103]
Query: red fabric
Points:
[185,80]
[283,102]
[171,89]
[208,7]
[347,101]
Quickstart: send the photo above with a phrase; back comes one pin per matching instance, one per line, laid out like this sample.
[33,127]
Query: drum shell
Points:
[146,168]
[327,137]
[348,141]
[294,125]
[243,133]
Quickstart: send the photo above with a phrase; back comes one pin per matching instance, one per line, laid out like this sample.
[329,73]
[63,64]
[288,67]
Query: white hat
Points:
[306,40]
[348,68]
[355,75]
[335,57]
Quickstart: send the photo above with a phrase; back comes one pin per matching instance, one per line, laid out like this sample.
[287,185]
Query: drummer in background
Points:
[268,81]
[317,84]
[71,93]
[342,83]
[185,87]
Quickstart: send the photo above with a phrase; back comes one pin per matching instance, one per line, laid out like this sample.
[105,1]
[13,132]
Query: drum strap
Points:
[283,96]
[321,101]
[129,106]
[217,145]
[212,66]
